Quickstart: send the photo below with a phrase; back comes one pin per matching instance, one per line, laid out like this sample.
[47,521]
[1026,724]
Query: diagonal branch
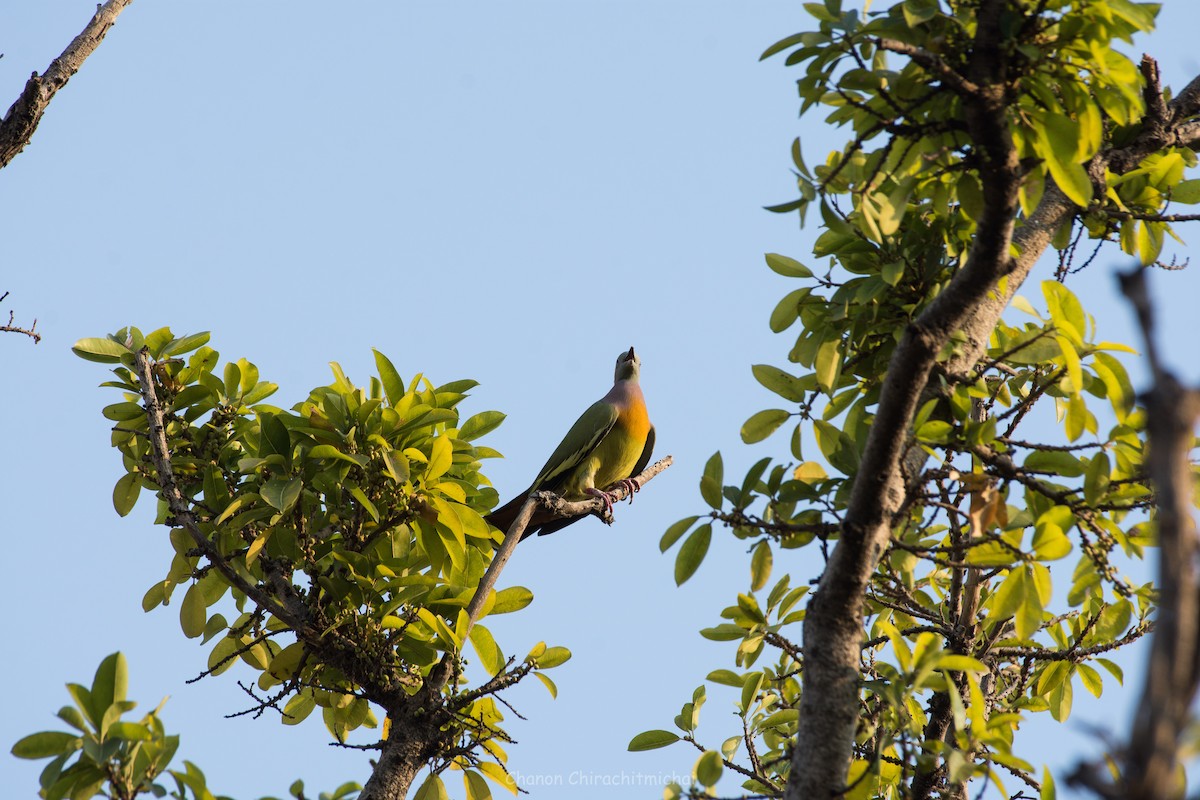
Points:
[440,674]
[932,64]
[19,124]
[160,455]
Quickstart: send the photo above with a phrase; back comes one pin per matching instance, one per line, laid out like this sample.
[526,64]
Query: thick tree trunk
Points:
[398,765]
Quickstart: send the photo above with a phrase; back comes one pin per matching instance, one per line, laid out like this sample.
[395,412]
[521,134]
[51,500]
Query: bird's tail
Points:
[542,522]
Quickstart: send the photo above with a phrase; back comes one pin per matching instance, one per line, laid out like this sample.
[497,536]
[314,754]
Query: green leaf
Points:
[763,424]
[490,657]
[674,532]
[298,708]
[1091,679]
[549,684]
[1065,311]
[125,493]
[275,439]
[104,351]
[281,494]
[917,12]
[497,775]
[781,383]
[478,425]
[514,598]
[725,677]
[432,789]
[1116,382]
[440,458]
[1029,613]
[1050,541]
[960,663]
[393,384]
[130,731]
[1054,462]
[1097,480]
[787,267]
[193,613]
[651,740]
[1008,598]
[329,451]
[708,767]
[110,683]
[828,364]
[760,566]
[695,547]
[711,482]
[553,657]
[1059,139]
[185,344]
[787,310]
[46,744]
[476,786]
[1186,192]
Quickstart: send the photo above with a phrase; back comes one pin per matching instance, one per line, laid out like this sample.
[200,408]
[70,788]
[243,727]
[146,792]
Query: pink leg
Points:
[607,497]
[631,486]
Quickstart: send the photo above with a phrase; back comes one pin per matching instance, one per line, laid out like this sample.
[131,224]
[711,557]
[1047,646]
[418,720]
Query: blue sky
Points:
[512,193]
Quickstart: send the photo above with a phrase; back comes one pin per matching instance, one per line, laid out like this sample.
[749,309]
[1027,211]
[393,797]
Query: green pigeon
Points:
[609,444]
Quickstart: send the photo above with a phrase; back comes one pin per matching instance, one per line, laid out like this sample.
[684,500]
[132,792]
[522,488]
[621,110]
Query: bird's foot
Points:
[608,497]
[631,486]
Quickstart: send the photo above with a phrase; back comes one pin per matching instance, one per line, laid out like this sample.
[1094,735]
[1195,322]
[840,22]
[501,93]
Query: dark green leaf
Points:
[651,740]
[711,482]
[125,493]
[674,532]
[763,424]
[695,547]
[45,744]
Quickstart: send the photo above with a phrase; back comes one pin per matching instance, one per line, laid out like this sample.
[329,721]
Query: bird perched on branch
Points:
[609,444]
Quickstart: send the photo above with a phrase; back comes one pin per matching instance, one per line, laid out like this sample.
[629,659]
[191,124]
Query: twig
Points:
[12,327]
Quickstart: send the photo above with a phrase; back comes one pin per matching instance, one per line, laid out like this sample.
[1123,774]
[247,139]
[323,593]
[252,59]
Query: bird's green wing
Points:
[644,458]
[580,441]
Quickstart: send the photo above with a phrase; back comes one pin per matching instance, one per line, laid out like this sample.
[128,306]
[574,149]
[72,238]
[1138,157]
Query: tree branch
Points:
[12,327]
[833,627]
[19,124]
[932,64]
[1171,677]
[160,457]
[440,674]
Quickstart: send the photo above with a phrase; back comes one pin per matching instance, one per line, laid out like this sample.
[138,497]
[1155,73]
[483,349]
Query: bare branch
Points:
[19,124]
[12,327]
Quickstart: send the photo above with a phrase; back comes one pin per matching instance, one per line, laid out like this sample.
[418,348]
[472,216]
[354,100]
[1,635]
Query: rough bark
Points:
[19,124]
[971,303]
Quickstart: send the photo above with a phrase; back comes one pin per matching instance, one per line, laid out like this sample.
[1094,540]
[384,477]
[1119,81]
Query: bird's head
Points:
[628,366]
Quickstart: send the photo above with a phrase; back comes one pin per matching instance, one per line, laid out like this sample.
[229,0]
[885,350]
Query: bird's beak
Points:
[630,355]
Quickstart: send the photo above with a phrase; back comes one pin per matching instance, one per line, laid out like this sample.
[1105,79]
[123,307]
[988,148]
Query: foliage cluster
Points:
[1000,590]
